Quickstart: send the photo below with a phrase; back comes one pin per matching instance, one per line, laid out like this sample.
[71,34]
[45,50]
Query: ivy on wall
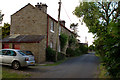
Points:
[63,40]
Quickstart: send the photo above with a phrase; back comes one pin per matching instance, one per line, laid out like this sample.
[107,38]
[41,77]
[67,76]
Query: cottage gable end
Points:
[29,20]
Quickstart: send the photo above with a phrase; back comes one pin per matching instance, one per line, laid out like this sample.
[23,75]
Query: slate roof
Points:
[23,39]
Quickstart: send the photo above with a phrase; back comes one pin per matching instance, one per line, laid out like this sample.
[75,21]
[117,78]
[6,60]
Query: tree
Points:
[101,19]
[5,30]
[74,27]
[91,48]
[1,17]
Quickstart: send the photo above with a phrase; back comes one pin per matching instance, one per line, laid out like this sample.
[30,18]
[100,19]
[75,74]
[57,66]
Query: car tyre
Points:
[16,65]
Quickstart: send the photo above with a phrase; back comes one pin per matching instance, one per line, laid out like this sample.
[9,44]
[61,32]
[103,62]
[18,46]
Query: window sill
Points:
[52,31]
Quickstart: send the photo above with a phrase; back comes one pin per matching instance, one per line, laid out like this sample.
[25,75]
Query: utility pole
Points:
[57,38]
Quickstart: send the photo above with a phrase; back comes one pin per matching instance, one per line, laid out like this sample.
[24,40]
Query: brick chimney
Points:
[62,22]
[42,7]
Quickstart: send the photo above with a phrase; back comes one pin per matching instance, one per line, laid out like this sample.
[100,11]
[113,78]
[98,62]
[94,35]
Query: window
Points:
[52,26]
[0,52]
[59,30]
[27,52]
[12,53]
[4,52]
[23,54]
[59,50]
[9,53]
[51,44]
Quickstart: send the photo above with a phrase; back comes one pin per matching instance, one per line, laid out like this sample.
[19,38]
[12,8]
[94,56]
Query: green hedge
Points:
[51,55]
[76,52]
[60,56]
[63,40]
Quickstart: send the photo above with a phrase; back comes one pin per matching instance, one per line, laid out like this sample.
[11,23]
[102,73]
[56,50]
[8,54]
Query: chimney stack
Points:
[62,22]
[42,7]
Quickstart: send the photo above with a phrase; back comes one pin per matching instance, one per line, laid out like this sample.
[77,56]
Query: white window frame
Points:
[59,30]
[52,26]
[51,44]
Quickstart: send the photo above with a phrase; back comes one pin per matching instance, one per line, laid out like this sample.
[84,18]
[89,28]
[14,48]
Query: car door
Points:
[8,57]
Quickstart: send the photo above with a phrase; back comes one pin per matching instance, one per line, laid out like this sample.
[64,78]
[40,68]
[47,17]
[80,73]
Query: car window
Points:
[28,52]
[23,54]
[12,53]
[4,52]
[0,52]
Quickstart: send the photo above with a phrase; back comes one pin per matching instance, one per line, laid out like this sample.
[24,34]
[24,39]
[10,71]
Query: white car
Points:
[16,58]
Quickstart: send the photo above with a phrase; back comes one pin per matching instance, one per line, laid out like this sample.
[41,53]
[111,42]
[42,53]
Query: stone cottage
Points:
[33,29]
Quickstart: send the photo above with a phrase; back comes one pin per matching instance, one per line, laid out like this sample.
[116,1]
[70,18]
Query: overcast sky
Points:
[9,7]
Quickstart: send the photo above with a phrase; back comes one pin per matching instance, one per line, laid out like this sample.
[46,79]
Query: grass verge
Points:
[103,72]
[56,63]
[14,74]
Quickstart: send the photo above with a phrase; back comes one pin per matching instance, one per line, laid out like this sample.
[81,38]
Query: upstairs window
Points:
[52,26]
[59,30]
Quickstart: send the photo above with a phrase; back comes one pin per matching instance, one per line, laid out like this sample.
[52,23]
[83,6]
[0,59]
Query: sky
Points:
[9,7]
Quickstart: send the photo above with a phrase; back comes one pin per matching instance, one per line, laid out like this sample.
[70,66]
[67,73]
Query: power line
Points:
[67,14]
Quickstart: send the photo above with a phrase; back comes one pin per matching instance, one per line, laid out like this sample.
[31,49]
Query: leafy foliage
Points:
[102,20]
[72,41]
[1,17]
[91,48]
[63,40]
[5,30]
[60,56]
[82,49]
[51,55]
[74,27]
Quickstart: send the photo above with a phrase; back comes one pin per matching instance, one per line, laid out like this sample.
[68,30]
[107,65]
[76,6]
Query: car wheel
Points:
[15,65]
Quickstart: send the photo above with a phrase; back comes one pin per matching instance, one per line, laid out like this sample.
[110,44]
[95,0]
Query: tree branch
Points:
[112,12]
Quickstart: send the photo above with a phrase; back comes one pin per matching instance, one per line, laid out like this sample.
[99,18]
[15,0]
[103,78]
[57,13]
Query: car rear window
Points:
[28,52]
[23,54]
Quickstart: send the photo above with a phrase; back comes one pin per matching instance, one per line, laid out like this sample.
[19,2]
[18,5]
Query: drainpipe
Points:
[47,29]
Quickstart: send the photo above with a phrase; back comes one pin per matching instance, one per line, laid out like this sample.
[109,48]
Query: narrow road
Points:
[84,66]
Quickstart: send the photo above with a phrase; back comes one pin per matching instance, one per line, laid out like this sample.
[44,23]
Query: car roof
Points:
[10,49]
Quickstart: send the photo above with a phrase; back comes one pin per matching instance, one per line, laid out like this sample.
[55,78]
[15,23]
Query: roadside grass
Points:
[57,63]
[14,74]
[103,72]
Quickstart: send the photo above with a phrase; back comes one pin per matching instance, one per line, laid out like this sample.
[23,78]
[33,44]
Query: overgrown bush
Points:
[71,41]
[63,40]
[83,48]
[69,52]
[50,54]
[60,56]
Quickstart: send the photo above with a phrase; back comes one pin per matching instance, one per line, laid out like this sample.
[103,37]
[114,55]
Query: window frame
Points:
[52,26]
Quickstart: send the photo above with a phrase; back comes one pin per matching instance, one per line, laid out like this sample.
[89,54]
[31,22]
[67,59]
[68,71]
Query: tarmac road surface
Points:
[85,66]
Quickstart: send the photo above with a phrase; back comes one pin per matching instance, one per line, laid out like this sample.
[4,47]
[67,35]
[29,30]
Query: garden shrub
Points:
[71,41]
[60,56]
[63,40]
[83,48]
[69,52]
[50,54]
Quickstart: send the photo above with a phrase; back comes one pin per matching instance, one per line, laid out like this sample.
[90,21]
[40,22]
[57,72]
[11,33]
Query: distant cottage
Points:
[33,29]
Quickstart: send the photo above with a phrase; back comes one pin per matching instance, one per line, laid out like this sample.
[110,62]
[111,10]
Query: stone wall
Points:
[52,35]
[38,49]
[29,20]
